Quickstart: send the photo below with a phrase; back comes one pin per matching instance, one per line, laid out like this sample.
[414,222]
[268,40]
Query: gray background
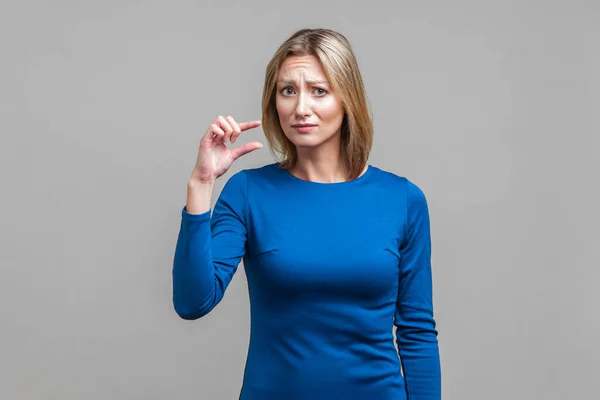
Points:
[490,107]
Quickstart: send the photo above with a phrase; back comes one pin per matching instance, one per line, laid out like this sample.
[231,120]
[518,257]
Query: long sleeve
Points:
[209,250]
[416,333]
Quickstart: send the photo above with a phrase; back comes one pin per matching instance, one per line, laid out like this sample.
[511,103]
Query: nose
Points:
[302,106]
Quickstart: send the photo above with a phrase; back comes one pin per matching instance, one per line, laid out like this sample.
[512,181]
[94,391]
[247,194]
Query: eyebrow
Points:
[288,81]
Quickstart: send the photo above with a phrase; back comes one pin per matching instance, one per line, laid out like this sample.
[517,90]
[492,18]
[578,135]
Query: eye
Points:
[283,91]
[321,92]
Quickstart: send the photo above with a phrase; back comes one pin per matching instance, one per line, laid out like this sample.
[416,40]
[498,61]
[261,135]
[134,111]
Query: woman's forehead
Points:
[302,67]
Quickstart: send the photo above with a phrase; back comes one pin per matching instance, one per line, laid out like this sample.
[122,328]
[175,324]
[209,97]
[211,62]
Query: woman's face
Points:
[304,97]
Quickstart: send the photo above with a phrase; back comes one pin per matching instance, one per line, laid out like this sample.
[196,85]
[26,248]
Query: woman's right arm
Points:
[198,196]
[209,250]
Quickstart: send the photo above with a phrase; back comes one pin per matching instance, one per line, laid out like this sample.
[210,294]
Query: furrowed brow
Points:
[292,82]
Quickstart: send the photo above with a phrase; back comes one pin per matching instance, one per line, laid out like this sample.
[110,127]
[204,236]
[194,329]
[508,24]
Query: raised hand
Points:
[214,158]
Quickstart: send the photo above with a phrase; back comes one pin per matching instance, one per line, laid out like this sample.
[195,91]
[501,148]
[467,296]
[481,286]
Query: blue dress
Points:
[331,268]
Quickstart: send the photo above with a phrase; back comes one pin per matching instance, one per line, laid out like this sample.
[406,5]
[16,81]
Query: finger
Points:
[245,149]
[225,126]
[236,128]
[217,133]
[249,125]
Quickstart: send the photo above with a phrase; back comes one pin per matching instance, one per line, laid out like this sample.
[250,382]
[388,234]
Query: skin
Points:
[305,96]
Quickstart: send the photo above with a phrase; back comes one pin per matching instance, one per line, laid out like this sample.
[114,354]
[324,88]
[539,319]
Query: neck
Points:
[319,170]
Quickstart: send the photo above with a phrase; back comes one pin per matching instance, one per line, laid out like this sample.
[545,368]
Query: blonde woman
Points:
[336,251]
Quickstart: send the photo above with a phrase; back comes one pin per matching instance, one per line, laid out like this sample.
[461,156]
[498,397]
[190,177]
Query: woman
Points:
[336,251]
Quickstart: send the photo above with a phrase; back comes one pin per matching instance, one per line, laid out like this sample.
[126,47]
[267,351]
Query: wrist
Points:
[199,183]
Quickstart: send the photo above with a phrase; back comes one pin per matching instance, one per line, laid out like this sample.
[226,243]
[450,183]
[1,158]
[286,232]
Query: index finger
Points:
[249,125]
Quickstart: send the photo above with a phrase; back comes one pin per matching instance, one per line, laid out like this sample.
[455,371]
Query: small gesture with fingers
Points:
[214,157]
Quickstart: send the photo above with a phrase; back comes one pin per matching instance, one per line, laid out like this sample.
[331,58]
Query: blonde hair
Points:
[341,68]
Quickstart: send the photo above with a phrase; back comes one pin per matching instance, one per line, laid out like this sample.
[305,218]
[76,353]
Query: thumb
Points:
[245,149]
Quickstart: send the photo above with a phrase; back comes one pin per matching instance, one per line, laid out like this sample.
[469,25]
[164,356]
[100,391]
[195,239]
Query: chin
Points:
[304,140]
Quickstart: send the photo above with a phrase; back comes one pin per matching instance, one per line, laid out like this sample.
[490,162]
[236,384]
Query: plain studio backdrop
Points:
[491,107]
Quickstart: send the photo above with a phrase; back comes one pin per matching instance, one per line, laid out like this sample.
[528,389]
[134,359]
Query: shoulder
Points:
[405,189]
[244,175]
[259,171]
[388,176]
[407,185]
[244,180]
[237,190]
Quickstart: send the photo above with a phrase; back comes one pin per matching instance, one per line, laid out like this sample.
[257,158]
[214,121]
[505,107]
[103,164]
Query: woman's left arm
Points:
[416,333]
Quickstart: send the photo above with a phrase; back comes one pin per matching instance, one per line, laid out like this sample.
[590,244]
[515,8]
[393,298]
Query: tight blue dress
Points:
[331,269]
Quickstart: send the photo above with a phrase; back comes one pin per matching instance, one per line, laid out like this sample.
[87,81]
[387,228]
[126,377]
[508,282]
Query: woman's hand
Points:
[214,158]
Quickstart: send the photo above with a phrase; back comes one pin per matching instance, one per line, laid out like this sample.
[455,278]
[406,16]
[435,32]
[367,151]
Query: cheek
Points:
[331,110]
[283,109]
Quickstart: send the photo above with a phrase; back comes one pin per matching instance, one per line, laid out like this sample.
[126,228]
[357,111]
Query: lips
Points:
[304,128]
[303,125]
